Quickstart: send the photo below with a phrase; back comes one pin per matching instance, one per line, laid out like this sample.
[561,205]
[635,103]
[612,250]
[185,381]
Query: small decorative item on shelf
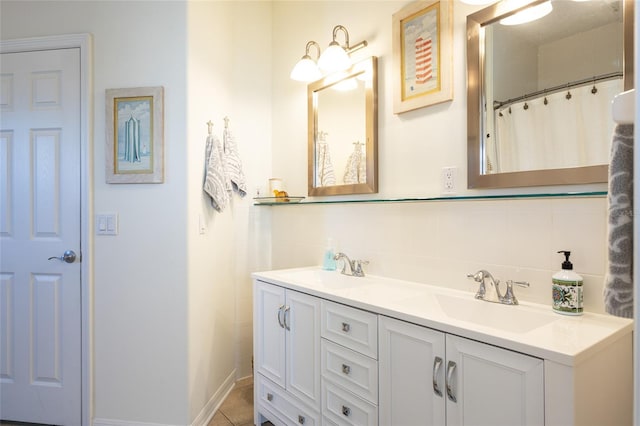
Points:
[279,197]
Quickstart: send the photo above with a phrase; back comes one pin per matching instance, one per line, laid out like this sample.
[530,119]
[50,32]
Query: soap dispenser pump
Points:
[328,261]
[567,289]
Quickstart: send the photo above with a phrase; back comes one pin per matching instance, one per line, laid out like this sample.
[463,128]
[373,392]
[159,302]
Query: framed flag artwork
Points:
[422,55]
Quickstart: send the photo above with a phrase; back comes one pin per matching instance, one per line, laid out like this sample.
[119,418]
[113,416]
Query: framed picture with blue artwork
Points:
[422,55]
[135,135]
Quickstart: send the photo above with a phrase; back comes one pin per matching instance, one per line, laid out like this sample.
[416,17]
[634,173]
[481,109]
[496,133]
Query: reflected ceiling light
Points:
[336,57]
[306,69]
[529,14]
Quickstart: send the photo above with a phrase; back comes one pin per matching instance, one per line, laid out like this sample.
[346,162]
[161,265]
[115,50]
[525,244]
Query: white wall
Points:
[139,311]
[228,43]
[170,301]
[437,242]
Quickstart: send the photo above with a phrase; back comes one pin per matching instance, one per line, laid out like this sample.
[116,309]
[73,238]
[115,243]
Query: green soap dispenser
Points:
[567,289]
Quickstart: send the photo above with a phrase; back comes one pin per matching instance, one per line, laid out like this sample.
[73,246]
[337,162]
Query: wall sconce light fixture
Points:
[306,69]
[334,58]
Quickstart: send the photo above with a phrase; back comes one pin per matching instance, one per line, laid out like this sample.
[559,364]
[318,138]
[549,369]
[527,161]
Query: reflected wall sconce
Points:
[334,58]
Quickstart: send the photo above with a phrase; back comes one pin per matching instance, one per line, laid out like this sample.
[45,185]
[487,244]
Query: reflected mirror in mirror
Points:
[539,93]
[343,132]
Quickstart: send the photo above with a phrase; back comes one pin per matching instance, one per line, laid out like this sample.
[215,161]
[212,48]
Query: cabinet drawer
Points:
[351,370]
[350,327]
[342,407]
[283,405]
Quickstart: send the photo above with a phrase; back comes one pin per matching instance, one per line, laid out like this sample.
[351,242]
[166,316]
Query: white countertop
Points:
[529,328]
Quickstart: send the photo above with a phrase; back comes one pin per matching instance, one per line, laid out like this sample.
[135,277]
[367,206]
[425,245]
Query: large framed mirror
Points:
[539,94]
[343,132]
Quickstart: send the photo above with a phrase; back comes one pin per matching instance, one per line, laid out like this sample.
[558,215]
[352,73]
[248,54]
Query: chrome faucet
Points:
[355,266]
[491,292]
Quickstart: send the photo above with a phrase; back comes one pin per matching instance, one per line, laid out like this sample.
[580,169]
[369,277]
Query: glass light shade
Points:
[528,15]
[334,58]
[305,70]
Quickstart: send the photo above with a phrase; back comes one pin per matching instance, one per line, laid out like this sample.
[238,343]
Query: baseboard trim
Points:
[212,406]
[202,419]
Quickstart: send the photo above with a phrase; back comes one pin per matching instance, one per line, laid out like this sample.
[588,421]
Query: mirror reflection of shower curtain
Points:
[325,175]
[356,169]
[563,133]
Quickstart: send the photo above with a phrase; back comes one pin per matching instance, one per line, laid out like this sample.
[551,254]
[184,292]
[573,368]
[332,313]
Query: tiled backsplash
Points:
[440,242]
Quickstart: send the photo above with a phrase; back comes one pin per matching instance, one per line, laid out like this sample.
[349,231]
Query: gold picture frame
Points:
[422,55]
[135,135]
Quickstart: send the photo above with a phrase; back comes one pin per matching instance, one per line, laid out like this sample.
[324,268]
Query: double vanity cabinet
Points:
[336,350]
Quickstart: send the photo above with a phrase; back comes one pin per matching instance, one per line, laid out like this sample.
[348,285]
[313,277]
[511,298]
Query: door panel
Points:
[494,386]
[40,371]
[411,380]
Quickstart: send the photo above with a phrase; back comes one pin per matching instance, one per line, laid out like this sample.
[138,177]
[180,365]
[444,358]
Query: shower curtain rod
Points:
[559,88]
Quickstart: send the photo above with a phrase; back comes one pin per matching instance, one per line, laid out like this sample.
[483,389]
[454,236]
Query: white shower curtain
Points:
[563,133]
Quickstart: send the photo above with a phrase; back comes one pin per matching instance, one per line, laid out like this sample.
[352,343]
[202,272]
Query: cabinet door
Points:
[269,331]
[492,386]
[411,369]
[302,319]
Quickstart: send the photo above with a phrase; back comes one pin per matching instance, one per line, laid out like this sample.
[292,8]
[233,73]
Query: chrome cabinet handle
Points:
[346,411]
[346,369]
[451,366]
[437,363]
[301,419]
[280,316]
[346,327]
[68,256]
[286,322]
[269,397]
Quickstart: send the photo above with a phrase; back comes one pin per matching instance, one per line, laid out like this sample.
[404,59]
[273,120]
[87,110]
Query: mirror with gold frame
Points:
[527,78]
[343,132]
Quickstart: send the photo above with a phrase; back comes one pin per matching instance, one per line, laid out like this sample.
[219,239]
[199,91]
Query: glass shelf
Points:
[455,198]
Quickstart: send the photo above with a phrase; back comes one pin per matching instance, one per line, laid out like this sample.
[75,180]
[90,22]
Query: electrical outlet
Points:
[449,175]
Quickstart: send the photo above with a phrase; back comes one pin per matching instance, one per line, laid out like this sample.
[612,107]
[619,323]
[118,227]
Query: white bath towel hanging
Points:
[232,161]
[325,175]
[216,182]
[356,169]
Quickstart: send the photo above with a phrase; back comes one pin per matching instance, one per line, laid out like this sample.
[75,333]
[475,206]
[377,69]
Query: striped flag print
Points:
[424,71]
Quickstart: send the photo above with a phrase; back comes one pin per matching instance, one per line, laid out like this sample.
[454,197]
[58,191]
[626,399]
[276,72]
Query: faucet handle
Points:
[357,270]
[510,298]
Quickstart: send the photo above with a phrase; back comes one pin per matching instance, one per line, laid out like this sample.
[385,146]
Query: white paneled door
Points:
[40,280]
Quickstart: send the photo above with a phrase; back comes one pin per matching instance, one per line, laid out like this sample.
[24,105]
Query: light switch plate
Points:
[107,224]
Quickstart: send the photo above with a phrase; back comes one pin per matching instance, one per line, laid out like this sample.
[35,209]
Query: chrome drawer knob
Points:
[346,369]
[346,327]
[346,411]
[269,397]
[301,420]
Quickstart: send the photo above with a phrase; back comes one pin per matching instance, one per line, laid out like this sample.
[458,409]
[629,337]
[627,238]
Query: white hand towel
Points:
[216,182]
[618,290]
[356,169]
[233,164]
[325,175]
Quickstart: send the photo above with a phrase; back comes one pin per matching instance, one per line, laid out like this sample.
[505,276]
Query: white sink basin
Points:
[325,279]
[515,319]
